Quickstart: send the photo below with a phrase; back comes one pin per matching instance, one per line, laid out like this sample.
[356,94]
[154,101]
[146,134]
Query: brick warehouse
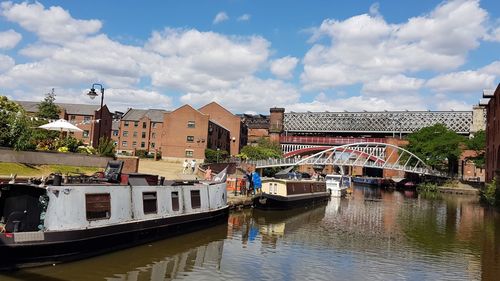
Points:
[492,133]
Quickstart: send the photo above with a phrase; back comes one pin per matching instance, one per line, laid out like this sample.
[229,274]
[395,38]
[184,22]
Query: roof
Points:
[155,115]
[70,108]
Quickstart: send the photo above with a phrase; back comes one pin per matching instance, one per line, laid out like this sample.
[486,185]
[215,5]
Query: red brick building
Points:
[84,116]
[492,133]
[140,129]
[237,129]
[187,132]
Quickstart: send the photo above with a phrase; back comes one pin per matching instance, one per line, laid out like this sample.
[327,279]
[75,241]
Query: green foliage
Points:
[14,126]
[436,145]
[47,108]
[70,143]
[489,193]
[264,149]
[478,144]
[106,147]
[428,190]
[141,153]
[214,156]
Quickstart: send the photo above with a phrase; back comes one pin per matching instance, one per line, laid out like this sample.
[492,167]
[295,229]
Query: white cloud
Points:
[284,67]
[9,39]
[247,95]
[358,103]
[197,61]
[461,82]
[244,17]
[220,17]
[364,48]
[456,105]
[398,84]
[494,35]
[6,63]
[51,25]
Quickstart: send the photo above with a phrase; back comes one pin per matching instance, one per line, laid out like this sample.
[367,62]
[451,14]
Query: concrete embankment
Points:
[459,190]
[238,201]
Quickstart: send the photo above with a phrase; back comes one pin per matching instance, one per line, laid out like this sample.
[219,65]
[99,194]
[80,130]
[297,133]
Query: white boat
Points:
[337,185]
[46,224]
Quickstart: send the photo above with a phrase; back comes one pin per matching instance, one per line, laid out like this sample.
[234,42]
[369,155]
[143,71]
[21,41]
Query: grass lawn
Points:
[23,170]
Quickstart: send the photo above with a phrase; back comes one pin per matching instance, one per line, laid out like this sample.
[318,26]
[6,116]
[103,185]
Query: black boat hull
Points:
[62,246]
[266,201]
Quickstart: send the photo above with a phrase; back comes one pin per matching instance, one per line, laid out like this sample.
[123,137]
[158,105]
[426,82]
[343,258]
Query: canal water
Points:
[373,235]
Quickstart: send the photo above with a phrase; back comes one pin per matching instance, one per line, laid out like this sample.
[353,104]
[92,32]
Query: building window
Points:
[152,145]
[195,199]
[189,153]
[125,124]
[135,134]
[143,144]
[175,201]
[86,119]
[72,117]
[153,124]
[144,125]
[191,124]
[143,135]
[98,206]
[124,143]
[190,139]
[116,133]
[134,144]
[85,133]
[125,133]
[149,202]
[153,135]
[136,123]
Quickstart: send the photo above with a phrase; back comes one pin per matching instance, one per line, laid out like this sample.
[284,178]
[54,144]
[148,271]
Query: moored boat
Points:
[47,224]
[282,194]
[337,185]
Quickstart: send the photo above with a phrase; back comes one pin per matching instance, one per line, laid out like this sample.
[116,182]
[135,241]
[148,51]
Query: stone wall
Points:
[45,158]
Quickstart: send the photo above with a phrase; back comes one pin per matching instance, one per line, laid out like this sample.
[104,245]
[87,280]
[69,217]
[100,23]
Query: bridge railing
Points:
[327,140]
[346,162]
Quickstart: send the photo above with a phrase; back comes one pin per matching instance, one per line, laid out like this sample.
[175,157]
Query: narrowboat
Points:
[51,223]
[282,194]
[337,185]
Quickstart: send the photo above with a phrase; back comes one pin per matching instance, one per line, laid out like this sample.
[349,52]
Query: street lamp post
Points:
[218,149]
[92,94]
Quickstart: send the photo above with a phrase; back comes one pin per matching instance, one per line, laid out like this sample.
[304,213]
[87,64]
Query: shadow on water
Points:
[160,260]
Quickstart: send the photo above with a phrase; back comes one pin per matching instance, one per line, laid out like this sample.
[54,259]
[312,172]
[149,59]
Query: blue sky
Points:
[252,55]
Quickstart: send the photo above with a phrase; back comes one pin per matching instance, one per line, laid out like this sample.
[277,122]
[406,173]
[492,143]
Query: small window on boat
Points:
[149,202]
[175,201]
[195,199]
[98,206]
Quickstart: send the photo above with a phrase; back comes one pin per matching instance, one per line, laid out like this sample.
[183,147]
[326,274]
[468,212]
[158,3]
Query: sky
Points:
[248,56]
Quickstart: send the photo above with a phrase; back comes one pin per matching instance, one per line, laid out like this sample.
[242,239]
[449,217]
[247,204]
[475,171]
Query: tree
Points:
[478,144]
[14,126]
[264,149]
[437,146]
[47,108]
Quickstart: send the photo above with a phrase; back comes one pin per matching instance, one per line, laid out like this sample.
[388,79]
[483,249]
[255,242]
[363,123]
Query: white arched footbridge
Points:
[362,154]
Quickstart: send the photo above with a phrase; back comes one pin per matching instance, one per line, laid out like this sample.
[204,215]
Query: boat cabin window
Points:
[175,201]
[98,206]
[195,199]
[149,202]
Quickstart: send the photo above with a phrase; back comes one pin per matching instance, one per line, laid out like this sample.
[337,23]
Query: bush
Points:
[86,150]
[488,194]
[214,156]
[141,153]
[427,187]
[106,147]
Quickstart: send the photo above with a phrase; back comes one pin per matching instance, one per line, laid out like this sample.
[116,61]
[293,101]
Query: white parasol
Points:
[61,125]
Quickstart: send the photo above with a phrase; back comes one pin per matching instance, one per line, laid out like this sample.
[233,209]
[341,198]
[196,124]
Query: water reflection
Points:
[163,260]
[372,235]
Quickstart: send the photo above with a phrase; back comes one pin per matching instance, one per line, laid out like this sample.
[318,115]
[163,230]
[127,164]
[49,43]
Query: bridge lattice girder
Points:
[376,122]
